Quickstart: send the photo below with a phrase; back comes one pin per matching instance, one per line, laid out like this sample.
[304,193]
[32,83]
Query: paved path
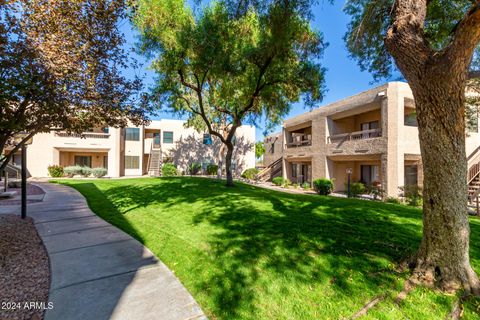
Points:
[100,272]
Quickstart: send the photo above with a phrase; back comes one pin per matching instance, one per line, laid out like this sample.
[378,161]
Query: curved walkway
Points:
[100,272]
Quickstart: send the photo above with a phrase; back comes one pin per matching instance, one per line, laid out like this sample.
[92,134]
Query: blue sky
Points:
[343,77]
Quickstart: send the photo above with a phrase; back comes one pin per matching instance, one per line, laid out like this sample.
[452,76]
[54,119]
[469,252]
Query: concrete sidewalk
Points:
[100,272]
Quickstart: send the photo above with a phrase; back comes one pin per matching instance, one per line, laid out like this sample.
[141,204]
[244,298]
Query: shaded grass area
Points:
[251,253]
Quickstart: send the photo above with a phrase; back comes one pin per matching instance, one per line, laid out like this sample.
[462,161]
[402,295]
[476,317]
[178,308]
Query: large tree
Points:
[231,62]
[432,43]
[61,66]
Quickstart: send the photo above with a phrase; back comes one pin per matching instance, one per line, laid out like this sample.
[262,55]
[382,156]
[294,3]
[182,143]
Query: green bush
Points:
[250,174]
[306,185]
[72,171]
[278,181]
[85,171]
[169,170]
[281,182]
[194,168]
[413,195]
[55,171]
[323,186]
[212,169]
[392,200]
[99,172]
[356,189]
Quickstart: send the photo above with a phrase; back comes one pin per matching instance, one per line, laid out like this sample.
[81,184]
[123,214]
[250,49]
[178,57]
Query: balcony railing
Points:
[88,135]
[300,141]
[358,135]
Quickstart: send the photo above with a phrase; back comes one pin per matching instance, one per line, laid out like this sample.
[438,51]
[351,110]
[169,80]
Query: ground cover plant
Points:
[252,253]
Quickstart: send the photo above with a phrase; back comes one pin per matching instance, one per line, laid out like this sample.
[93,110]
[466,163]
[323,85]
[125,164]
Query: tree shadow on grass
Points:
[268,243]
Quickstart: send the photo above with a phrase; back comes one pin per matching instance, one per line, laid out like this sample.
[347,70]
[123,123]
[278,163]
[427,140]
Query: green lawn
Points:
[250,253]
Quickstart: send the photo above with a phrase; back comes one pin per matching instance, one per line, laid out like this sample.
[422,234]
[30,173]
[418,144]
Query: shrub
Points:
[295,185]
[377,193]
[169,170]
[413,195]
[212,169]
[250,174]
[375,189]
[72,171]
[323,186]
[280,181]
[99,172]
[194,168]
[55,171]
[85,171]
[356,189]
[392,200]
[306,185]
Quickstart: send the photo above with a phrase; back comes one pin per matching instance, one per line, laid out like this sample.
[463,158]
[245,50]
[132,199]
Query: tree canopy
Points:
[227,65]
[61,66]
[370,21]
[259,149]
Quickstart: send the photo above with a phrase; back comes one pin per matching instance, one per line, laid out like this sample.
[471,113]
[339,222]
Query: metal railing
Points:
[87,135]
[358,135]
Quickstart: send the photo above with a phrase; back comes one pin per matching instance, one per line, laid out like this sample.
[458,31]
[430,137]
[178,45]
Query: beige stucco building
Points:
[373,135]
[136,151]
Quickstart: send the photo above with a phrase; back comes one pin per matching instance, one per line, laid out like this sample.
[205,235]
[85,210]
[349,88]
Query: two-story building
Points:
[136,151]
[372,135]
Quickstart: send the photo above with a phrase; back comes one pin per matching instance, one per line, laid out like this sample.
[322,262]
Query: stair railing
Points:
[268,169]
[149,158]
[473,161]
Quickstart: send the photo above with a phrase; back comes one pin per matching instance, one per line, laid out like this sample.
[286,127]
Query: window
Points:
[167,137]
[132,134]
[83,161]
[411,120]
[105,162]
[369,174]
[272,148]
[411,175]
[105,130]
[132,162]
[207,139]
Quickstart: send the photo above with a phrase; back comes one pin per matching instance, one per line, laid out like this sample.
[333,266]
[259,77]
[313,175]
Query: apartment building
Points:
[136,151]
[372,135]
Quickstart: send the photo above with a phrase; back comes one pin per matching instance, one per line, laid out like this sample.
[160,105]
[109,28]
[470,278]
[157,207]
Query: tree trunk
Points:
[228,163]
[443,256]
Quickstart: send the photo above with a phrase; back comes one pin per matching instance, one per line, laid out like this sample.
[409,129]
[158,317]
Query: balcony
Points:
[358,135]
[356,143]
[87,135]
[300,141]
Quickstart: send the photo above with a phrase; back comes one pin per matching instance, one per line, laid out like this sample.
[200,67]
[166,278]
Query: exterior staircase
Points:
[13,171]
[473,180]
[271,171]
[155,161]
